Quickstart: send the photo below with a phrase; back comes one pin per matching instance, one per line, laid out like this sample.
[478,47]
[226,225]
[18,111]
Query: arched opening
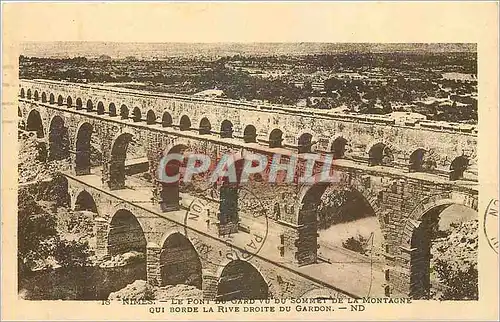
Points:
[124,112]
[112,109]
[85,202]
[458,167]
[60,100]
[69,102]
[179,262]
[34,123]
[445,239]
[338,148]
[90,106]
[205,126]
[380,154]
[250,134]
[117,163]
[304,143]
[166,119]
[79,103]
[150,117]
[125,234]
[36,95]
[44,97]
[240,280]
[28,94]
[100,108]
[276,138]
[22,93]
[185,123]
[58,139]
[226,129]
[83,149]
[340,217]
[52,98]
[169,193]
[136,115]
[19,113]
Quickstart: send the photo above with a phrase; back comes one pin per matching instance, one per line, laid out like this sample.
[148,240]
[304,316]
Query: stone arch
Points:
[44,97]
[166,119]
[83,148]
[276,138]
[250,134]
[205,126]
[356,203]
[79,104]
[60,100]
[112,109]
[380,154]
[179,261]
[416,236]
[35,95]
[136,114]
[19,112]
[100,108]
[69,102]
[52,98]
[458,167]
[150,117]
[34,123]
[338,147]
[58,139]
[22,93]
[85,201]
[185,123]
[226,129]
[28,94]
[239,279]
[117,162]
[304,142]
[89,106]
[124,112]
[418,161]
[125,234]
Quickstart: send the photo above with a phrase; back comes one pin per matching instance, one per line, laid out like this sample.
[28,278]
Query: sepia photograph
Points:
[255,177]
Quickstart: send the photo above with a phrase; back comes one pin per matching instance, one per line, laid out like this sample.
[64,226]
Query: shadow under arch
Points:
[240,280]
[179,262]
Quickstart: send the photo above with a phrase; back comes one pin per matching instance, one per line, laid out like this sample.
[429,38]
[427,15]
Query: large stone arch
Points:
[169,191]
[59,143]
[179,261]
[306,213]
[416,238]
[118,156]
[238,279]
[83,148]
[125,233]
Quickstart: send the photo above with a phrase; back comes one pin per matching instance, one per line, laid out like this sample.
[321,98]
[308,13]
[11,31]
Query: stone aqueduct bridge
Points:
[404,173]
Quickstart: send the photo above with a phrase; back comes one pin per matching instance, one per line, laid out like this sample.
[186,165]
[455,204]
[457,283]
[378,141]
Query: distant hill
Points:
[161,50]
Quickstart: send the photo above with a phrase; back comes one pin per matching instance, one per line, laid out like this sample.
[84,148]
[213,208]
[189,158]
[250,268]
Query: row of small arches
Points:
[379,154]
[205,127]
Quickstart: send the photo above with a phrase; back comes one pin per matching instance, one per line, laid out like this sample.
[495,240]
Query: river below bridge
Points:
[82,283]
